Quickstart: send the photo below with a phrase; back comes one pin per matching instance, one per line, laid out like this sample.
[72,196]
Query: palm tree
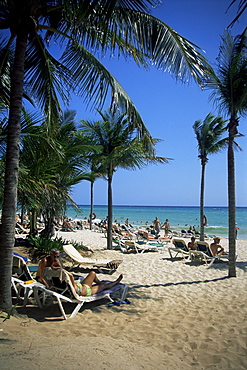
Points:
[230,93]
[119,148]
[208,134]
[79,26]
[49,167]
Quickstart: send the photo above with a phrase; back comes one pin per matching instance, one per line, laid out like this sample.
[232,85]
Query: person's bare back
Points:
[216,248]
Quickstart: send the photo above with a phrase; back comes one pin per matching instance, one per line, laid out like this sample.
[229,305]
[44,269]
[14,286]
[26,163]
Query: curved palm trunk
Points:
[202,202]
[49,231]
[109,229]
[231,202]
[7,231]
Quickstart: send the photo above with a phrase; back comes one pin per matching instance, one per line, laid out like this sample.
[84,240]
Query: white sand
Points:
[181,316]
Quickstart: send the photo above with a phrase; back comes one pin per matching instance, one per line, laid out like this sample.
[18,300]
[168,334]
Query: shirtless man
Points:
[216,248]
[192,244]
[157,225]
[50,261]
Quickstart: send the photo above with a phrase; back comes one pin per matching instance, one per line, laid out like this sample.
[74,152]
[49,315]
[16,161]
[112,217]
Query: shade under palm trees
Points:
[81,26]
[209,137]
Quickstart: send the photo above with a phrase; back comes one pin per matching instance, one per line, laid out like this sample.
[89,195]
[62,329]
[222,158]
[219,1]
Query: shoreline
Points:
[180,217]
[182,315]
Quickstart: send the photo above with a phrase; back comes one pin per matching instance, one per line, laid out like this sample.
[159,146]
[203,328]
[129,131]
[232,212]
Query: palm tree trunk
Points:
[202,202]
[33,222]
[109,229]
[7,231]
[231,203]
[91,205]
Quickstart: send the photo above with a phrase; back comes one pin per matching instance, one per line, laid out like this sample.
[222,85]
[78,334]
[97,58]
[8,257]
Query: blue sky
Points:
[169,109]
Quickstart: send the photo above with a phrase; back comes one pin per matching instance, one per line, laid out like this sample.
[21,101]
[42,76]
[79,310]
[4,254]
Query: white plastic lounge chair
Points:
[204,253]
[27,287]
[131,246]
[76,258]
[180,247]
[72,297]
[20,268]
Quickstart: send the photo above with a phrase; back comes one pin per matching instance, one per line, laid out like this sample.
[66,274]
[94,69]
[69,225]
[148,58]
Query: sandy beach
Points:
[182,316]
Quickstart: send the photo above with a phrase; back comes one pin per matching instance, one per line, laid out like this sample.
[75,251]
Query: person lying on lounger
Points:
[216,248]
[86,287]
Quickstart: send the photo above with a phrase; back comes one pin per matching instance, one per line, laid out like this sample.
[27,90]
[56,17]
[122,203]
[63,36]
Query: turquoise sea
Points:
[179,217]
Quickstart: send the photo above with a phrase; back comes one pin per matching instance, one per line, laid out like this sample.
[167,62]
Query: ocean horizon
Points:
[180,217]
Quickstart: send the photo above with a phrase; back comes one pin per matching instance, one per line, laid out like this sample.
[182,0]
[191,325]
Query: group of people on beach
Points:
[88,286]
[91,284]
[215,247]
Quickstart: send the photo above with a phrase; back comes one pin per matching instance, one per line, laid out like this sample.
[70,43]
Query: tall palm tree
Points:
[80,26]
[230,93]
[208,134]
[120,147]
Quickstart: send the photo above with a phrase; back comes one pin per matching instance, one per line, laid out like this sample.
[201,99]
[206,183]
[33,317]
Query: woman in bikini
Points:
[86,287]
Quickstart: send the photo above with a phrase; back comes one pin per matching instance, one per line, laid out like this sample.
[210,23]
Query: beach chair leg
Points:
[212,261]
[36,297]
[170,252]
[27,292]
[61,308]
[110,298]
[16,290]
[76,310]
[124,293]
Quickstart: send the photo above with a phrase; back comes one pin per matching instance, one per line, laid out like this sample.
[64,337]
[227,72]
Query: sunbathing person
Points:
[50,261]
[216,248]
[86,287]
[66,225]
[192,244]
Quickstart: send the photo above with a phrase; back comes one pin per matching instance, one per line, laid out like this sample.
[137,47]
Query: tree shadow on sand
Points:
[218,264]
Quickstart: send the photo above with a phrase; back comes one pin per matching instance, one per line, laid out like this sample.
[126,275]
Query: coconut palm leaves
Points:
[49,167]
[209,137]
[121,26]
[120,148]
[242,6]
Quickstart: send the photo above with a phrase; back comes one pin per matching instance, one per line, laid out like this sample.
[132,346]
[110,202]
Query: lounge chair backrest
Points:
[20,268]
[204,247]
[60,281]
[72,252]
[180,244]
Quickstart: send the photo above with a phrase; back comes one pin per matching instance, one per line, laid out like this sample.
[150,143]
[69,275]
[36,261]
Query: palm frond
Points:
[242,6]
[94,82]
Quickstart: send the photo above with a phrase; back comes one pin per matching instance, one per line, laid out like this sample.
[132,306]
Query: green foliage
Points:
[45,245]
